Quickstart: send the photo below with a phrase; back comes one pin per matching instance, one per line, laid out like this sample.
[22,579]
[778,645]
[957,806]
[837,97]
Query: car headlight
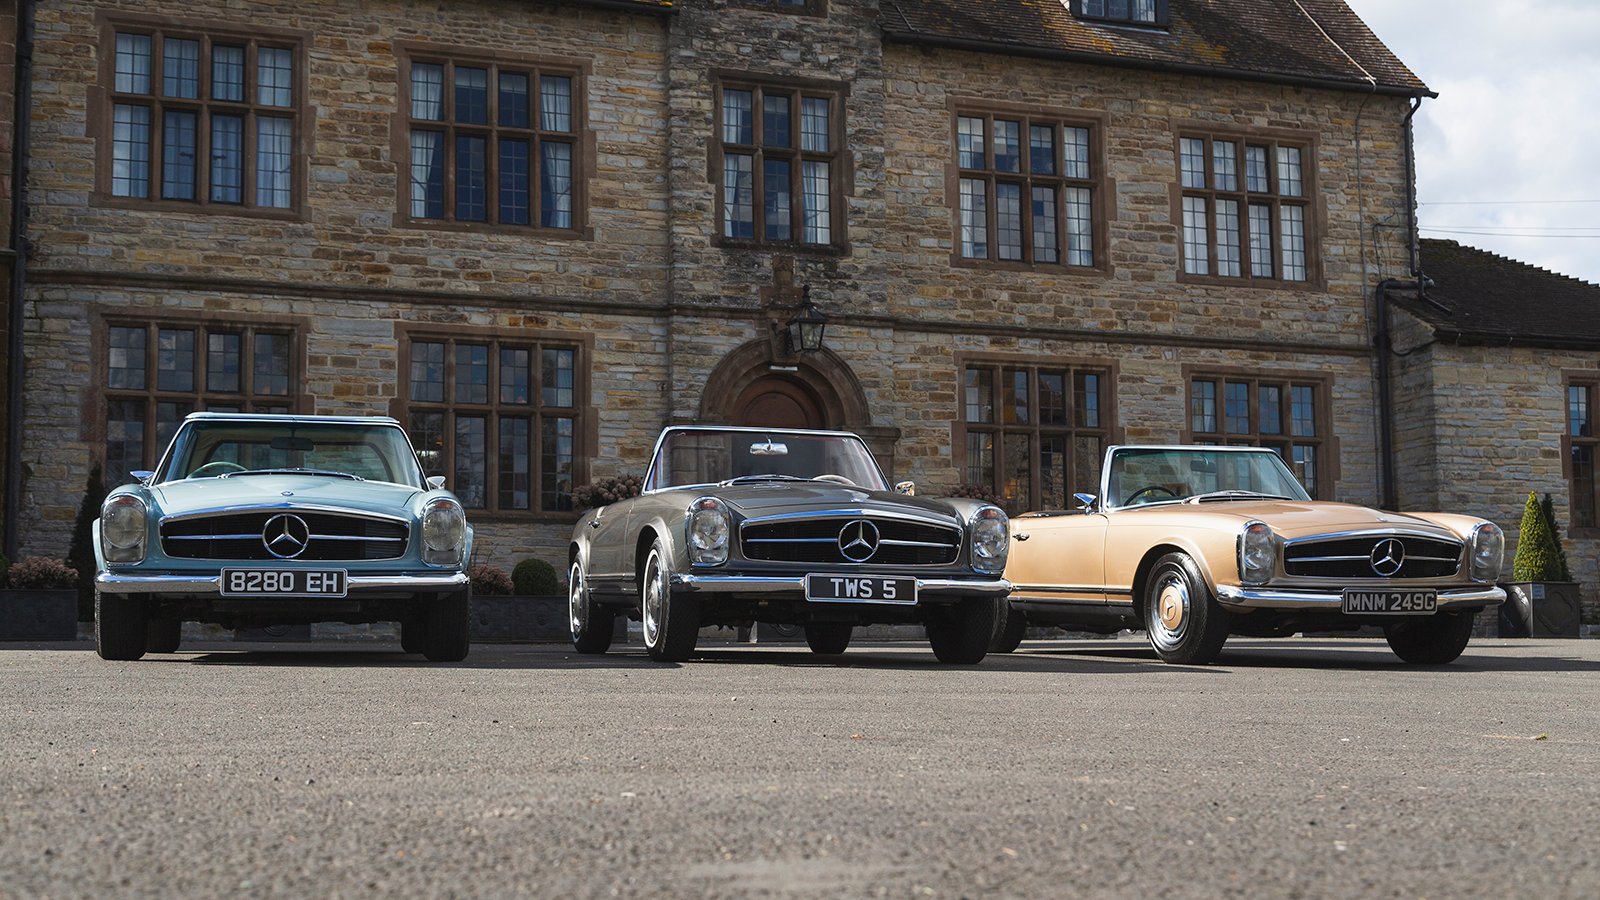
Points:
[709,528]
[991,540]
[124,528]
[1488,548]
[1258,553]
[444,531]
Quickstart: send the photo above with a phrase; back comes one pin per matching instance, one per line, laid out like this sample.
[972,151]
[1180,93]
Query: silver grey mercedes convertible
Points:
[744,525]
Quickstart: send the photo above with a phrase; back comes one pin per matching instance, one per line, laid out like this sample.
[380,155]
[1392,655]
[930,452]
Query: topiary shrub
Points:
[80,551]
[487,579]
[606,490]
[975,492]
[535,577]
[36,573]
[1549,509]
[1538,554]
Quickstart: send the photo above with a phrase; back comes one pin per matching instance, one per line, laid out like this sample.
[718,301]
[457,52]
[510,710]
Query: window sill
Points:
[795,247]
[965,262]
[535,231]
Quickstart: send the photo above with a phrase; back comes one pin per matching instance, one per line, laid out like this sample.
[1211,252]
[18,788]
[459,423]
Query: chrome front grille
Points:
[1351,558]
[239,536]
[817,541]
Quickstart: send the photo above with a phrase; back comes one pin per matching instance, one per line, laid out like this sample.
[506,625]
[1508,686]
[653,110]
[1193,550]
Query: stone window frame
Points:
[585,431]
[103,98]
[841,179]
[1089,11]
[1100,183]
[582,138]
[202,397]
[1108,431]
[1326,444]
[1583,512]
[802,8]
[1309,200]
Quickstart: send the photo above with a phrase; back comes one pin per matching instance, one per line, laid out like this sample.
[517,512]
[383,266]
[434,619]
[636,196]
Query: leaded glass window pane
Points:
[125,360]
[1260,240]
[1203,407]
[1269,406]
[738,196]
[130,151]
[1046,239]
[427,372]
[180,68]
[555,194]
[174,359]
[514,182]
[1007,148]
[133,64]
[1192,162]
[1255,159]
[223,358]
[227,159]
[1008,221]
[427,174]
[515,385]
[1228,238]
[974,219]
[275,77]
[1196,245]
[736,112]
[817,223]
[1578,423]
[555,103]
[513,100]
[556,377]
[1224,165]
[1293,226]
[1236,407]
[1080,228]
[472,459]
[427,91]
[775,128]
[124,440]
[273,160]
[1289,175]
[427,438]
[1086,400]
[472,373]
[178,149]
[227,73]
[1014,398]
[980,396]
[472,95]
[969,143]
[778,213]
[514,462]
[472,178]
[814,125]
[1042,150]
[1302,412]
[1077,148]
[555,464]
[271,364]
[1052,398]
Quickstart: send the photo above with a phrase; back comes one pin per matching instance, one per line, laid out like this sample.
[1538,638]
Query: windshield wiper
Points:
[767,477]
[1234,495]
[328,472]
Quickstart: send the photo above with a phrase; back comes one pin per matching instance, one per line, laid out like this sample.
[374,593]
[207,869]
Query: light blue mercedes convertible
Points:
[256,520]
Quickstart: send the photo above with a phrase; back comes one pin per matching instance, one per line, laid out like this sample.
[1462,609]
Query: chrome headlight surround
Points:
[991,539]
[708,530]
[1486,551]
[1258,553]
[444,532]
[124,529]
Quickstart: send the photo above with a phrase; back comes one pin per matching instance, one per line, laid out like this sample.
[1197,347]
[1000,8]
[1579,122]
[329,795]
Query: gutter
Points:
[1097,59]
[16,369]
[632,6]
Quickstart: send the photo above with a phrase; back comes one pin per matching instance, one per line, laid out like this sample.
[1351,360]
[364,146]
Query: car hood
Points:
[1290,519]
[788,498]
[178,497]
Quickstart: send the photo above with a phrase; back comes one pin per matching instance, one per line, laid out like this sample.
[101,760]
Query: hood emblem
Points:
[858,540]
[286,536]
[1387,557]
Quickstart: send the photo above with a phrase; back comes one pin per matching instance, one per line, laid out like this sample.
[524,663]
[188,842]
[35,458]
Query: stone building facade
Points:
[536,232]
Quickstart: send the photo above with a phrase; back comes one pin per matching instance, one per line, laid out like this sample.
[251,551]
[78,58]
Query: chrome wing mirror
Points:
[436,482]
[1088,501]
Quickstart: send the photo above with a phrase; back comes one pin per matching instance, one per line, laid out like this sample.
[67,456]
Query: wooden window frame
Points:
[103,98]
[1079,10]
[1326,444]
[806,8]
[1588,380]
[1309,200]
[1101,187]
[585,431]
[1107,431]
[840,178]
[297,401]
[582,138]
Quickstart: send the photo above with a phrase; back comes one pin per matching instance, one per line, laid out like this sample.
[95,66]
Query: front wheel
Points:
[1183,620]
[961,634]
[828,639]
[591,624]
[1433,640]
[671,621]
[1012,629]
[120,627]
[449,635]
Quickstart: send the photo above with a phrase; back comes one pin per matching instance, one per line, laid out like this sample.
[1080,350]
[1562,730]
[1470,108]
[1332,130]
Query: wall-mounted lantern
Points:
[805,329]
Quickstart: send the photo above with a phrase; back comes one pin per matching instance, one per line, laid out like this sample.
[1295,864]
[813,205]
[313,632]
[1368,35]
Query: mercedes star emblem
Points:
[1387,557]
[858,540]
[286,536]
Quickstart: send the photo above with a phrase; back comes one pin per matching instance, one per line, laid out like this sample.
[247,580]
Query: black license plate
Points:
[861,589]
[1390,603]
[268,583]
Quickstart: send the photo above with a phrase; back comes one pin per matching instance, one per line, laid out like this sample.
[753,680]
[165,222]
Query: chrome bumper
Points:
[1266,598]
[113,583]
[728,584]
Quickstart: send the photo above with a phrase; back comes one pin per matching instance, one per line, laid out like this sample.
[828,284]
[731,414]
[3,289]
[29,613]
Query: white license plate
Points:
[861,589]
[1390,603]
[267,583]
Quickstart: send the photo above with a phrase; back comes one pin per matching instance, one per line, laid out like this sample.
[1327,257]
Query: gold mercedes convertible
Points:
[1193,544]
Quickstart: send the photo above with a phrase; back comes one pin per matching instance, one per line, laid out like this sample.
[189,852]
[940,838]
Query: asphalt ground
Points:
[1291,769]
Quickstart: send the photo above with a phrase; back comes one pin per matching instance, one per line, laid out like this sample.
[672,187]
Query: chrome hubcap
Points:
[575,599]
[653,600]
[1171,619]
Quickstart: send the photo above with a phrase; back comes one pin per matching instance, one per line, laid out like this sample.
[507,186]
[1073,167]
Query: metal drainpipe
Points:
[16,371]
[1391,497]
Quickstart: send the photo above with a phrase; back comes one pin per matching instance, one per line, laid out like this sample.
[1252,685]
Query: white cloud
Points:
[1513,123]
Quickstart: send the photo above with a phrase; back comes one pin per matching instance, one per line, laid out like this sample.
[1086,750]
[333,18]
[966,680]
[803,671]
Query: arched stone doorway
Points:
[814,390]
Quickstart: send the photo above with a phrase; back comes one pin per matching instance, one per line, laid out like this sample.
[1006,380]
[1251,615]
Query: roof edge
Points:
[1123,62]
[630,6]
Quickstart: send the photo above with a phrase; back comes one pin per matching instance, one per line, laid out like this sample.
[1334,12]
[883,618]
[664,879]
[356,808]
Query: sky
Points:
[1508,156]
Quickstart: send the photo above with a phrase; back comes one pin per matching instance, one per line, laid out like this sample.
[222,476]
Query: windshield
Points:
[211,449]
[709,457]
[1157,475]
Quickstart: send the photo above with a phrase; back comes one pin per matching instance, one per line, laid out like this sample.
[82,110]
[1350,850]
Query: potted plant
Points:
[1542,598]
[528,605]
[41,603]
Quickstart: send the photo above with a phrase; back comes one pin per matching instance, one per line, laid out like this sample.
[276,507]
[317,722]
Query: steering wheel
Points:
[836,479]
[218,467]
[1147,489]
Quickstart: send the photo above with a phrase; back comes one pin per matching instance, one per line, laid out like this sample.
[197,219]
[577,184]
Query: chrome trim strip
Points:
[1071,589]
[344,511]
[243,537]
[199,584]
[1259,598]
[858,513]
[1447,538]
[724,584]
